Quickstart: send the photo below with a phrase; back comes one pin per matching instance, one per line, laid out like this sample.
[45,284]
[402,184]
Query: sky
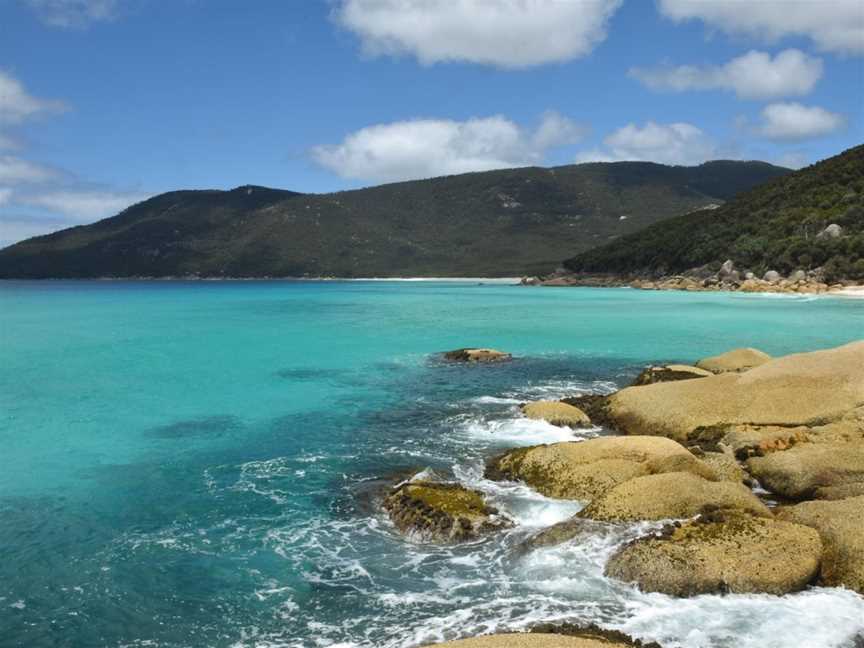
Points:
[104,103]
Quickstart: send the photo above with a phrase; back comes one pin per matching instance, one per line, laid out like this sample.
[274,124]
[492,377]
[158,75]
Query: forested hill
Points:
[496,223]
[810,219]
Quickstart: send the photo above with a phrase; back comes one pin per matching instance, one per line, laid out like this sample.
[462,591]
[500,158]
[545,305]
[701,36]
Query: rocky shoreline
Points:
[756,464]
[728,279]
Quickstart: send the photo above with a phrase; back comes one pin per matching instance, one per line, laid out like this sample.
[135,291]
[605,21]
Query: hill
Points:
[779,226]
[496,223]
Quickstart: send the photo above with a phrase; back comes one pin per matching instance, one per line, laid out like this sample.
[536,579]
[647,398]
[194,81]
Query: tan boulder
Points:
[802,389]
[737,360]
[725,466]
[535,640]
[557,413]
[734,553]
[582,470]
[669,373]
[442,512]
[853,489]
[797,473]
[476,355]
[670,496]
[841,527]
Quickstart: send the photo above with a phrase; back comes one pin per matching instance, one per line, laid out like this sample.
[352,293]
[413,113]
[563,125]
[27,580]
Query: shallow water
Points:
[195,464]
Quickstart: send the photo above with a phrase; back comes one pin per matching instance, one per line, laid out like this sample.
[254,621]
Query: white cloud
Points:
[5,195]
[793,121]
[83,206]
[754,75]
[677,143]
[73,13]
[424,148]
[14,170]
[14,229]
[793,160]
[16,104]
[504,33]
[833,25]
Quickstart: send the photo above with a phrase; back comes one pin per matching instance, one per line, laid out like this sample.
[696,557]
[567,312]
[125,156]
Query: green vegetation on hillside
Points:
[498,223]
[778,226]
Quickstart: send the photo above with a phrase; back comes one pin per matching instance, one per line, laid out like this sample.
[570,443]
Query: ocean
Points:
[191,464]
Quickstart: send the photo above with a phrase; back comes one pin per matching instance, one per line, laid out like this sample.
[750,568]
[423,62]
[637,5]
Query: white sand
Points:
[856,292]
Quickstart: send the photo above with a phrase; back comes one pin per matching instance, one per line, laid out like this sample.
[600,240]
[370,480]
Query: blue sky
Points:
[105,102]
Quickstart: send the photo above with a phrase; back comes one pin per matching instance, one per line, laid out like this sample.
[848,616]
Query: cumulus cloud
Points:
[504,33]
[754,75]
[83,206]
[70,14]
[793,121]
[676,143]
[424,148]
[16,104]
[833,25]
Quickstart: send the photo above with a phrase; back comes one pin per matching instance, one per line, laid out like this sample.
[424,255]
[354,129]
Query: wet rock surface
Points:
[476,355]
[557,413]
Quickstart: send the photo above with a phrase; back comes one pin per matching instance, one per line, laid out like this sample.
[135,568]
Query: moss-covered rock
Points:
[671,495]
[583,470]
[476,355]
[594,406]
[735,553]
[442,512]
[737,360]
[841,526]
[557,413]
[798,473]
[725,466]
[669,373]
[806,389]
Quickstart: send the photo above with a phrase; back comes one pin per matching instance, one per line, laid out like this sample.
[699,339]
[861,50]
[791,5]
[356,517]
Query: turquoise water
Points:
[197,464]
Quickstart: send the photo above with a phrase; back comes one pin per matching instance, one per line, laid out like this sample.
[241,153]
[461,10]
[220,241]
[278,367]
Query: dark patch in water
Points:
[209,426]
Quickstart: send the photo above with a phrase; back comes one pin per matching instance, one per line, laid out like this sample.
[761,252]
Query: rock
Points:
[852,489]
[476,355]
[841,526]
[557,413]
[798,275]
[749,275]
[583,470]
[536,640]
[669,373]
[798,472]
[671,495]
[772,276]
[725,467]
[801,389]
[833,231]
[575,527]
[594,406]
[734,553]
[745,441]
[736,360]
[442,512]
[727,268]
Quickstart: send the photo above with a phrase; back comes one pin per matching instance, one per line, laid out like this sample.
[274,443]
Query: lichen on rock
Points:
[734,553]
[556,413]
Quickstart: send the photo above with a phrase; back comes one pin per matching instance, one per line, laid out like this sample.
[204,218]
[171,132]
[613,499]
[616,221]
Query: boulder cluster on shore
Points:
[727,278]
[756,462]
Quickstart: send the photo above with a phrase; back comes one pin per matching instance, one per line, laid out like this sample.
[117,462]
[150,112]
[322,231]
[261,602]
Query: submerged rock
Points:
[737,360]
[557,413]
[800,389]
[583,470]
[476,355]
[797,473]
[575,527]
[735,553]
[442,512]
[669,496]
[669,373]
[841,526]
